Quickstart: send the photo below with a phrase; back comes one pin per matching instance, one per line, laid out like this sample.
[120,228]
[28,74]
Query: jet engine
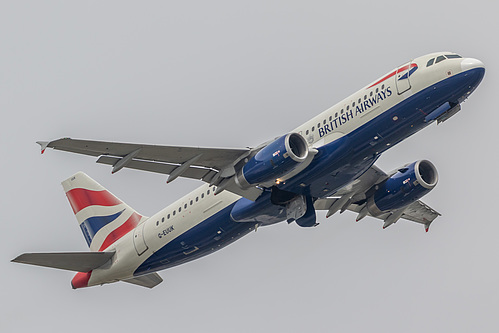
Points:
[409,184]
[275,160]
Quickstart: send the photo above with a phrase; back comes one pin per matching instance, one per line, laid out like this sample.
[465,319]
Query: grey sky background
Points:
[227,74]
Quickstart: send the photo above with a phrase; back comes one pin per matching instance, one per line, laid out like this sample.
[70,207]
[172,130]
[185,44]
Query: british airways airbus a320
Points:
[325,164]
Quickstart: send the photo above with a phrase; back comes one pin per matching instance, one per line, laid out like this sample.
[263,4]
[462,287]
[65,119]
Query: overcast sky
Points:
[217,73]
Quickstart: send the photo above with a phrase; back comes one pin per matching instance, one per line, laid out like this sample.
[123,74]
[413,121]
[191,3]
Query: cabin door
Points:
[402,78]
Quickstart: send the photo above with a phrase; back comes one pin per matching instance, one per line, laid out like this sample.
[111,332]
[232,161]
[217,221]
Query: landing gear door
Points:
[138,239]
[402,78]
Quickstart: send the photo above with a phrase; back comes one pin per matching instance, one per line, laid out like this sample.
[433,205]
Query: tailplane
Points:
[103,218]
[71,261]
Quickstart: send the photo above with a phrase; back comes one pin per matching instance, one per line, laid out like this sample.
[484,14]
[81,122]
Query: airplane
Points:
[325,164]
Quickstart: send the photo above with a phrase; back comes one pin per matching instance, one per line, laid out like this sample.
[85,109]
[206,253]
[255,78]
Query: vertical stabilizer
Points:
[103,218]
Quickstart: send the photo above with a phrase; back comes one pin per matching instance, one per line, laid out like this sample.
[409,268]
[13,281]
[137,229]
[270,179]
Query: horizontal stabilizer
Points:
[148,281]
[71,261]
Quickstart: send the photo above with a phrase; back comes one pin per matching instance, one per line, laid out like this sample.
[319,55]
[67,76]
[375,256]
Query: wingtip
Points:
[43,145]
[18,259]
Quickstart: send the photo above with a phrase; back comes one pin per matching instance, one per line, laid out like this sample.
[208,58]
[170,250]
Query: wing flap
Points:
[148,281]
[158,167]
[71,261]
[420,212]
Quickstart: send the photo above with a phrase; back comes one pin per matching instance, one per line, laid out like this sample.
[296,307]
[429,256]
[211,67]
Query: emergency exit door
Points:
[138,239]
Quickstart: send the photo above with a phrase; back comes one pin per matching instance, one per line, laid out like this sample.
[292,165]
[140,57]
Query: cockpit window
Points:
[430,62]
[440,58]
[452,56]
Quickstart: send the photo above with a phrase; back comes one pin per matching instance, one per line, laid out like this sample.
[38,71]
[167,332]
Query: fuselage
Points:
[349,137]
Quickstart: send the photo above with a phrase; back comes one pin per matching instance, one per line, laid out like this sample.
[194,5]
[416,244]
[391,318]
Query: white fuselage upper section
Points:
[377,97]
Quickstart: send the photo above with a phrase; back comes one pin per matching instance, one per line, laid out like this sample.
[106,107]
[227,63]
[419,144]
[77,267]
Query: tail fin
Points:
[103,218]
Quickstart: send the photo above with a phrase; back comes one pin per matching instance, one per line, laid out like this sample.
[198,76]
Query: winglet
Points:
[43,145]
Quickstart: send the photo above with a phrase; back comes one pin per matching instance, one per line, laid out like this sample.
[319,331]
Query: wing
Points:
[353,197]
[418,211]
[207,164]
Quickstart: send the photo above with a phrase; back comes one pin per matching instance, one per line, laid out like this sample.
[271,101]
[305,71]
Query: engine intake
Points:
[409,184]
[275,160]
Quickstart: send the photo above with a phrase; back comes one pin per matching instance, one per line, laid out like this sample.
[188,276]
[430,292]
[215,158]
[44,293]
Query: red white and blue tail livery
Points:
[103,218]
[325,164]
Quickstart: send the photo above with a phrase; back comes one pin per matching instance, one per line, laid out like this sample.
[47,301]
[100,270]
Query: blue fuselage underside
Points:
[336,165]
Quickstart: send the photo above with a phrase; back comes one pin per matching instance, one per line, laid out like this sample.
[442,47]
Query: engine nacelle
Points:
[275,160]
[409,184]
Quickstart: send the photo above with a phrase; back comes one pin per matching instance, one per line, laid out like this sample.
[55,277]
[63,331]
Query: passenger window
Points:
[365,97]
[157,223]
[439,58]
[348,108]
[185,206]
[202,195]
[191,202]
[208,192]
[377,90]
[360,100]
[197,199]
[168,216]
[173,213]
[383,87]
[324,122]
[430,62]
[162,219]
[330,118]
[318,125]
[313,128]
[336,114]
[306,133]
[371,94]
[179,209]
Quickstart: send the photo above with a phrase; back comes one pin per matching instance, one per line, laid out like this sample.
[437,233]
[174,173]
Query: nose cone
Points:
[470,63]
[472,74]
